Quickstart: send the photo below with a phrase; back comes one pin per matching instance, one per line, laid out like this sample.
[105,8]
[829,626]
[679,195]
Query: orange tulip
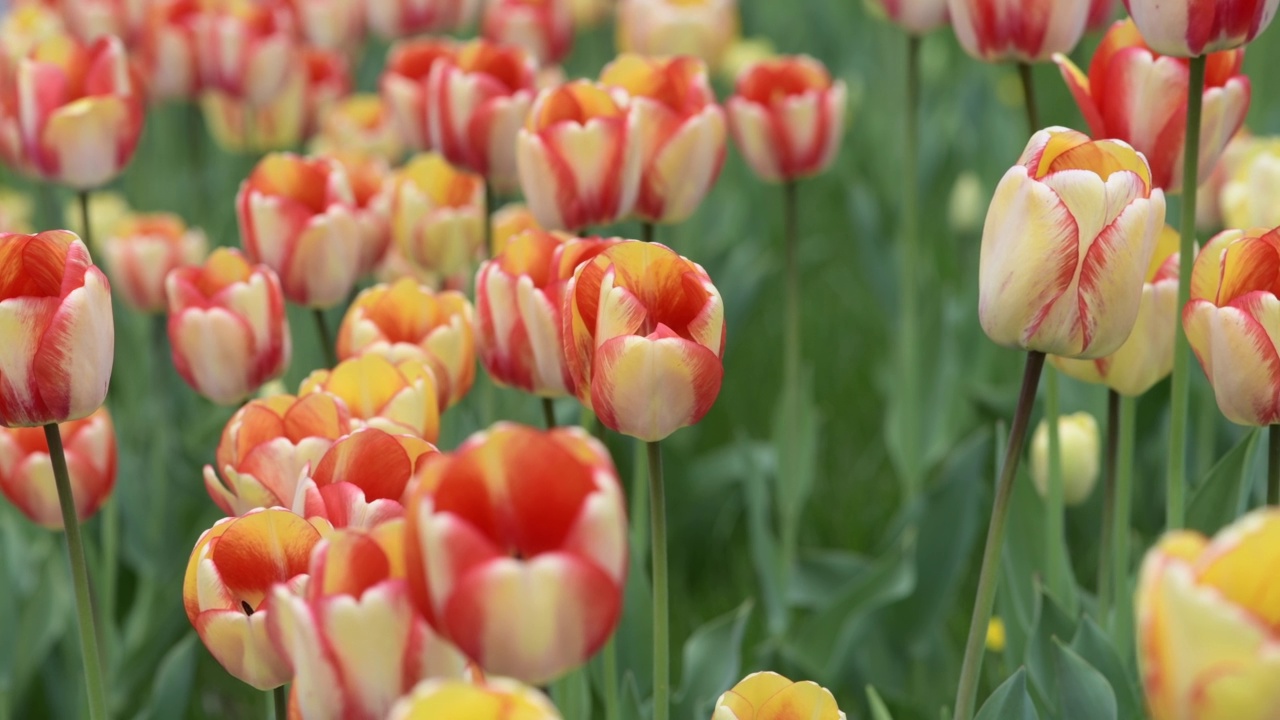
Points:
[359,124]
[542,28]
[397,398]
[26,472]
[493,699]
[228,583]
[510,220]
[407,321]
[526,582]
[143,249]
[644,337]
[404,86]
[437,216]
[361,480]
[391,19]
[769,696]
[57,337]
[246,49]
[168,50]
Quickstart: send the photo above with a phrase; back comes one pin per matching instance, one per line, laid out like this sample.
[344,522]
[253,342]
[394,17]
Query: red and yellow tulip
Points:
[507,222]
[1186,28]
[142,250]
[493,699]
[770,696]
[1250,179]
[404,86]
[332,25]
[26,472]
[328,81]
[397,398]
[90,20]
[168,50]
[702,28]
[1019,30]
[437,216]
[239,127]
[371,191]
[361,480]
[391,19]
[542,28]
[359,124]
[246,49]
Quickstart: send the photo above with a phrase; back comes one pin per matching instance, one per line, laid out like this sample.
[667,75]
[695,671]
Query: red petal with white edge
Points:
[261,549]
[348,563]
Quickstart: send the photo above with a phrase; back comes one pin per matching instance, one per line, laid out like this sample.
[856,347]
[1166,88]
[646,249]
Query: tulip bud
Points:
[404,86]
[787,117]
[239,127]
[702,28]
[680,129]
[169,50]
[1018,30]
[26,472]
[1196,593]
[398,398]
[644,338]
[1187,28]
[59,337]
[227,326]
[770,696]
[1067,241]
[1124,69]
[1248,193]
[492,699]
[542,28]
[437,216]
[510,220]
[142,251]
[965,206]
[246,49]
[359,124]
[392,19]
[915,16]
[1078,443]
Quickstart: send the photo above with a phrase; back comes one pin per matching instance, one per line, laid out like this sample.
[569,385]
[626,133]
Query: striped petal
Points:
[649,387]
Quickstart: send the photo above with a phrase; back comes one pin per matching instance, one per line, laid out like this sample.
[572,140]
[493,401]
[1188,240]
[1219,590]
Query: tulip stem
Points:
[1273,465]
[84,219]
[647,231]
[326,338]
[79,576]
[1029,96]
[1175,509]
[661,629]
[612,708]
[909,261]
[988,579]
[1106,556]
[1055,574]
[490,201]
[1120,518]
[549,412]
[280,702]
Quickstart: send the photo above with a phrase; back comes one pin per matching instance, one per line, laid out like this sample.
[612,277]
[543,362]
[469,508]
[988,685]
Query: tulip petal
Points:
[649,387]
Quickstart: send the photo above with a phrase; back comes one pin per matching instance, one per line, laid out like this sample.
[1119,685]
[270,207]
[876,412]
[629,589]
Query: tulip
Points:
[1231,318]
[296,217]
[246,49]
[407,321]
[1146,357]
[542,28]
[510,220]
[917,17]
[237,126]
[1100,14]
[1078,434]
[644,337]
[90,20]
[477,100]
[26,472]
[1135,95]
[494,699]
[1248,192]
[1206,618]
[56,325]
[519,300]
[787,117]
[328,81]
[79,111]
[228,583]
[369,187]
[24,27]
[142,251]
[397,398]
[1067,242]
[404,86]
[702,28]
[769,696]
[1025,31]
[392,19]
[1186,29]
[169,50]
[742,55]
[331,25]
[266,446]
[359,124]
[527,583]
[437,215]
[361,480]
[227,326]
[578,157]
[681,132]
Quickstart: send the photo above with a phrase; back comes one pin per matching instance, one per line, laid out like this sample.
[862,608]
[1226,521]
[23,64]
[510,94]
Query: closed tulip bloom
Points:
[238,127]
[227,326]
[332,25]
[266,446]
[770,696]
[1018,30]
[787,117]
[542,28]
[1133,94]
[1248,192]
[328,81]
[1187,28]
[392,19]
[142,251]
[915,16]
[79,109]
[644,335]
[681,131]
[168,50]
[361,480]
[297,217]
[437,216]
[408,321]
[90,20]
[359,124]
[477,101]
[578,157]
[1146,357]
[57,329]
[1066,245]
[702,28]
[510,220]
[1207,644]
[527,583]
[371,192]
[404,86]
[397,398]
[1079,459]
[227,589]
[493,699]
[247,49]
[26,471]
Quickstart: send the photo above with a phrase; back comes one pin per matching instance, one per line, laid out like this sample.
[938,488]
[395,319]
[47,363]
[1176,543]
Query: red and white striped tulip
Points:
[1018,30]
[437,216]
[1101,13]
[477,99]
[369,176]
[332,25]
[1187,28]
[519,305]
[1133,94]
[26,471]
[168,50]
[702,28]
[915,16]
[578,157]
[787,117]
[542,28]
[526,583]
[90,20]
[247,49]
[56,330]
[393,19]
[644,337]
[397,398]
[239,127]
[142,250]
[404,86]
[1066,245]
[359,124]
[680,128]
[361,480]
[328,81]
[491,699]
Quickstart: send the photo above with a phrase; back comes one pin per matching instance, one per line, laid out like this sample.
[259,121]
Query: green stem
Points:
[988,579]
[1273,465]
[647,231]
[909,337]
[326,338]
[1055,573]
[1107,589]
[1123,509]
[1029,96]
[1176,508]
[280,702]
[612,707]
[639,505]
[791,363]
[661,629]
[79,576]
[490,202]
[84,219]
[549,412]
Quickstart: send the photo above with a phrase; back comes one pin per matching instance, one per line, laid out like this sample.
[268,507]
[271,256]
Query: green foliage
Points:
[1010,701]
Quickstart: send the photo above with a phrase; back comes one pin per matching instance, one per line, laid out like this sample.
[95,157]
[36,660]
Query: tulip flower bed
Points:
[639,359]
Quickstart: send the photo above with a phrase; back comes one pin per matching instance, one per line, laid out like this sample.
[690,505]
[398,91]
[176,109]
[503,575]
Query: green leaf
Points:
[712,662]
[878,709]
[1093,645]
[174,679]
[796,434]
[1051,623]
[1024,556]
[46,617]
[1010,701]
[572,694]
[1221,495]
[1084,691]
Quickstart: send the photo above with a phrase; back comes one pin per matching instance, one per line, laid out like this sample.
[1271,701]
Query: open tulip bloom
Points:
[26,473]
[1021,30]
[404,86]
[1187,28]
[491,699]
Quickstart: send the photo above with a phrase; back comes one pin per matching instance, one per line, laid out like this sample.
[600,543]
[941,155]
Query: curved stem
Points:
[280,701]
[1176,507]
[1107,554]
[661,629]
[1055,573]
[1273,465]
[647,231]
[326,338]
[988,579]
[909,260]
[1029,96]
[549,412]
[79,577]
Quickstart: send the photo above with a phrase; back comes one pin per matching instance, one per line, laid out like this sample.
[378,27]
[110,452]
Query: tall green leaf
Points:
[1010,701]
[1220,497]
